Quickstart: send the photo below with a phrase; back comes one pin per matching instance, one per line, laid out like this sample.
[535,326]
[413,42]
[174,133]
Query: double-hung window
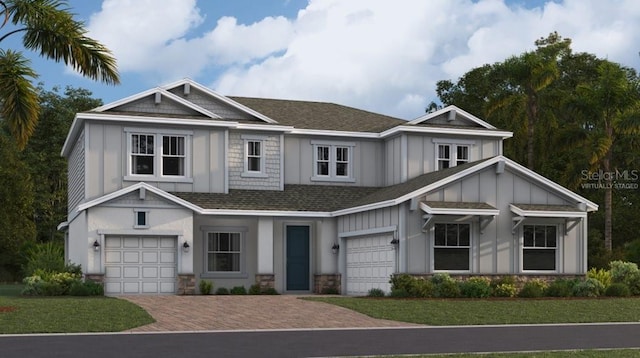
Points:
[161,155]
[539,247]
[450,154]
[224,252]
[254,155]
[333,161]
[451,247]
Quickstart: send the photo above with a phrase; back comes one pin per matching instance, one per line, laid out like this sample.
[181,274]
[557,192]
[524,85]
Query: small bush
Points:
[617,289]
[533,288]
[560,288]
[627,273]
[588,288]
[402,281]
[255,289]
[47,256]
[445,286]
[86,288]
[222,291]
[602,275]
[475,287]
[399,293]
[238,290]
[413,286]
[505,290]
[205,287]
[330,291]
[440,278]
[270,291]
[504,280]
[375,292]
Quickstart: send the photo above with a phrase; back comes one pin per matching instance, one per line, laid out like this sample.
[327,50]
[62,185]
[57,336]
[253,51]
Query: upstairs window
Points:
[254,156]
[162,156]
[450,155]
[333,162]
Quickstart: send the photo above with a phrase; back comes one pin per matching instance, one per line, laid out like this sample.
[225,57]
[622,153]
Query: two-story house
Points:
[178,184]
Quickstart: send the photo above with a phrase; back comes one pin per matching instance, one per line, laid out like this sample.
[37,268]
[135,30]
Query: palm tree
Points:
[611,109]
[47,27]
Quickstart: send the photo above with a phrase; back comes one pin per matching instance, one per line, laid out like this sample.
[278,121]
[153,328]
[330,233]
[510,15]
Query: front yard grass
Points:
[451,312]
[68,314]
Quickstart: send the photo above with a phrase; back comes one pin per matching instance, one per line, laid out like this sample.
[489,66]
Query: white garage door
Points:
[370,263]
[140,265]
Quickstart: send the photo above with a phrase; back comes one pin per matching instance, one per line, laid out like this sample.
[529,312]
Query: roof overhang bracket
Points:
[571,223]
[484,221]
[427,219]
[517,222]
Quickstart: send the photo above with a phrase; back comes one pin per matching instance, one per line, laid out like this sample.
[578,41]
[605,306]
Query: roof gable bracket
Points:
[571,223]
[427,219]
[517,222]
[484,221]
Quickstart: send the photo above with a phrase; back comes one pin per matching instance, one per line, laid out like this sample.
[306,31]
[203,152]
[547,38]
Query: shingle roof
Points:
[459,205]
[540,207]
[320,115]
[320,198]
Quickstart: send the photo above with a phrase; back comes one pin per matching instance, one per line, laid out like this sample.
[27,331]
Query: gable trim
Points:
[466,115]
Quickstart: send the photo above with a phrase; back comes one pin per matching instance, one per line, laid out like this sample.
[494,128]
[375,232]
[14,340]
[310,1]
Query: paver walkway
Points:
[195,313]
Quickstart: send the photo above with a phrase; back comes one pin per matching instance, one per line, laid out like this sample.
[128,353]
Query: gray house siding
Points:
[207,102]
[76,176]
[393,160]
[149,105]
[238,178]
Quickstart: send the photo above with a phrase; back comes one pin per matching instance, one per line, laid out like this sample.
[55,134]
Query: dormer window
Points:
[160,155]
[332,161]
[451,154]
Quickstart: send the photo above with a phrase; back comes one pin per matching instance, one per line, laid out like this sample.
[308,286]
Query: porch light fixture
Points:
[335,248]
[96,245]
[185,247]
[395,241]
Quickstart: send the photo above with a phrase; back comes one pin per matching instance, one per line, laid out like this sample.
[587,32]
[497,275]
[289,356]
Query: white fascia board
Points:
[449,108]
[278,213]
[63,226]
[373,231]
[322,132]
[157,120]
[358,209]
[125,100]
[264,127]
[547,213]
[221,98]
[74,130]
[452,211]
[591,206]
[188,104]
[448,131]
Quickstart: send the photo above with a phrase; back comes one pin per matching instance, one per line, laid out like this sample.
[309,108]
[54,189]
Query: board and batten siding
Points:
[372,219]
[237,156]
[76,167]
[367,161]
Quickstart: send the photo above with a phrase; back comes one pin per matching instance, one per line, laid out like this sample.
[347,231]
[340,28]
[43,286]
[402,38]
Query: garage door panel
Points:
[140,265]
[370,262]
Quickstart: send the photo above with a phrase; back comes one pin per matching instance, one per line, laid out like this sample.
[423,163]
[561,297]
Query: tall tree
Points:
[42,156]
[610,106]
[47,27]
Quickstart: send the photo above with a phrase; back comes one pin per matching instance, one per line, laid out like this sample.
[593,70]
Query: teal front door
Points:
[297,258]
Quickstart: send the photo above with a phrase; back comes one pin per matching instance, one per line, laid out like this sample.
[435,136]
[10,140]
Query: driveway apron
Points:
[198,313]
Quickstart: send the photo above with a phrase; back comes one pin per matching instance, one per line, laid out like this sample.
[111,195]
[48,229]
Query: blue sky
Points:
[379,55]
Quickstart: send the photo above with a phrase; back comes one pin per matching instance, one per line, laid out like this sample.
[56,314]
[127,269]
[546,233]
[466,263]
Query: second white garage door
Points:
[370,263]
[140,265]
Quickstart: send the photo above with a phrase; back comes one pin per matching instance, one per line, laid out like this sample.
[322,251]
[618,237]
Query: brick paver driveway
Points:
[195,313]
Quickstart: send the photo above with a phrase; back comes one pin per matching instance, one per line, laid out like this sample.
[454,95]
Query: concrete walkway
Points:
[198,313]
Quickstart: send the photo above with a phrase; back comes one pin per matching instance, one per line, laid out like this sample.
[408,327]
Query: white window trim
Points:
[432,246]
[158,155]
[206,230]
[558,248]
[333,177]
[252,173]
[453,150]
[135,218]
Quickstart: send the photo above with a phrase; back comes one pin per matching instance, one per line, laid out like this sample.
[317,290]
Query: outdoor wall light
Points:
[96,245]
[335,248]
[185,247]
[395,241]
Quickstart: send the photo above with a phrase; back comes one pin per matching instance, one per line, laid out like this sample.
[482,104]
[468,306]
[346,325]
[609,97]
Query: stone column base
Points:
[187,284]
[327,284]
[265,281]
[95,277]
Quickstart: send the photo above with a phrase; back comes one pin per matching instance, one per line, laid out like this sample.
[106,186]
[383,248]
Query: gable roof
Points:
[452,113]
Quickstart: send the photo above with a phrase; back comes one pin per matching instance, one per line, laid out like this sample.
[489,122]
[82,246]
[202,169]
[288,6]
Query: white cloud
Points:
[375,54]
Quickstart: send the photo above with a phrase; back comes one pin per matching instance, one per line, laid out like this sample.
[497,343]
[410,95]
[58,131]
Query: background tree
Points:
[48,28]
[42,156]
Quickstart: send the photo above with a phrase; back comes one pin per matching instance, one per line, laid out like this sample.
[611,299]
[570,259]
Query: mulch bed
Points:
[7,309]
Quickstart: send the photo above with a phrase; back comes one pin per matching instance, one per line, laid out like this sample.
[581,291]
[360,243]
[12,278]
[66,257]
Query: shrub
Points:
[402,281]
[588,288]
[255,289]
[413,286]
[504,280]
[86,288]
[617,289]
[445,286]
[330,291]
[475,287]
[238,290]
[602,275]
[422,288]
[560,288]
[627,273]
[399,293]
[222,291]
[270,291]
[47,283]
[533,288]
[375,292]
[505,290]
[47,256]
[205,287]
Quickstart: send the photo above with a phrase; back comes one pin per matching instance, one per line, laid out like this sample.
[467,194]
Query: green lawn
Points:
[480,312]
[11,289]
[67,314]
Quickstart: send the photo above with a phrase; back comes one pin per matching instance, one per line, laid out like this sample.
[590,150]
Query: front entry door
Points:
[297,258]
